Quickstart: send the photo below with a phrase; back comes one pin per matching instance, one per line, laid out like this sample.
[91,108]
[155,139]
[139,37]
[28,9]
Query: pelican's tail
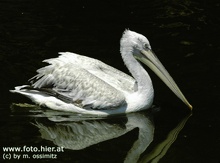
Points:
[36,96]
[43,99]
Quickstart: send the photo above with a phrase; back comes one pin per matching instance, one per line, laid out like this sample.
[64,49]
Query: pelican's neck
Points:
[142,78]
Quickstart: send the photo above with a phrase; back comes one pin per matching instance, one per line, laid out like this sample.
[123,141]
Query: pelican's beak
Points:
[151,60]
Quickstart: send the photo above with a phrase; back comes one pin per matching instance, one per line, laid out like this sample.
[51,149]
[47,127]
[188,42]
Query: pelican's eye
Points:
[147,46]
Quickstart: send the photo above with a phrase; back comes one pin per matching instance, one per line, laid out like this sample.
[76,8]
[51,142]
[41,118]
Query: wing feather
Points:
[84,80]
[110,75]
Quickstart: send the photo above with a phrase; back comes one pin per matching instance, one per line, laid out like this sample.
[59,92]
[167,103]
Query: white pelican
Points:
[85,85]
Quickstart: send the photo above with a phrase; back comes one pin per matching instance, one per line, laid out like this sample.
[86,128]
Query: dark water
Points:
[183,34]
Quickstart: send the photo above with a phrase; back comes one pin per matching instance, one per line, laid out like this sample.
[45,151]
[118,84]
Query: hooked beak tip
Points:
[190,106]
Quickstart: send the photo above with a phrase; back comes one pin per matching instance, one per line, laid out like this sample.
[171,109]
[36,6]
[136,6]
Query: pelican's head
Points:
[135,42]
[139,46]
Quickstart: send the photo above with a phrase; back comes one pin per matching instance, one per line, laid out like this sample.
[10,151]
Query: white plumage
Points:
[81,84]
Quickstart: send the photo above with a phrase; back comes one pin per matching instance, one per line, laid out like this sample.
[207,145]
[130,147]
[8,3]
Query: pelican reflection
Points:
[71,133]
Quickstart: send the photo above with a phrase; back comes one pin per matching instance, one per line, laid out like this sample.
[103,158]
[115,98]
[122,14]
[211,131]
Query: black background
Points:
[183,34]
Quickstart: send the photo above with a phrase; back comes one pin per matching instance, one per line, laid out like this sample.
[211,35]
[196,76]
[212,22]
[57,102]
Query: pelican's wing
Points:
[81,80]
[110,75]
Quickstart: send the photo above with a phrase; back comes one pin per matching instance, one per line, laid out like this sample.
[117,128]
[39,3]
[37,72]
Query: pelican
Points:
[80,84]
